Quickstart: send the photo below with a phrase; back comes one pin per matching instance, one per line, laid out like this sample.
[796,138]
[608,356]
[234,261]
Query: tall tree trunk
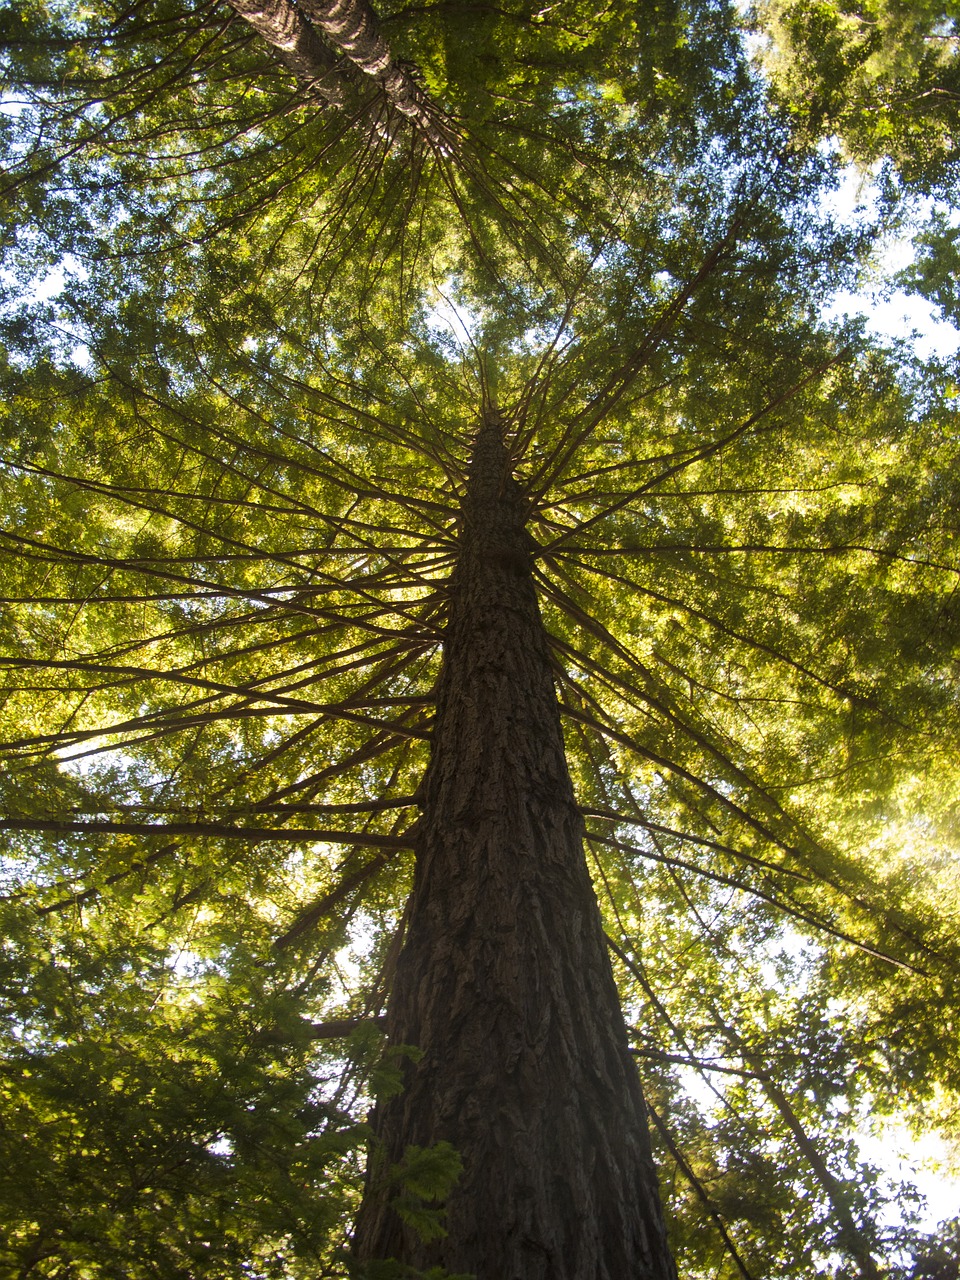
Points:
[504,981]
[351,25]
[296,43]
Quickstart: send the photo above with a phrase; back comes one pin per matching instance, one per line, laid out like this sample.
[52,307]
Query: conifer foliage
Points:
[477,659]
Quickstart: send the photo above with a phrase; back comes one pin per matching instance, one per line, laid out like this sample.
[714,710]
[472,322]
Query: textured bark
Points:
[296,43]
[352,26]
[504,981]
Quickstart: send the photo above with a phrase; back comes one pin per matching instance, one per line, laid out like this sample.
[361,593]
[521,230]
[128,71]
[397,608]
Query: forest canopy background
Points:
[234,448]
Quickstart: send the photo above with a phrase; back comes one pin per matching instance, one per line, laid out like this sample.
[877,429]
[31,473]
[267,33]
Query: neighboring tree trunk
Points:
[504,982]
[352,26]
[296,44]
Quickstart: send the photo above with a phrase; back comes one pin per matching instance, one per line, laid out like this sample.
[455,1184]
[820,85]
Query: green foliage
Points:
[386,1078]
[883,76]
[393,1270]
[232,450]
[150,1127]
[424,1176]
[934,272]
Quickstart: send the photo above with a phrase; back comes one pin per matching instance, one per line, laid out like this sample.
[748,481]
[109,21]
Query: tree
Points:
[275,542]
[881,76]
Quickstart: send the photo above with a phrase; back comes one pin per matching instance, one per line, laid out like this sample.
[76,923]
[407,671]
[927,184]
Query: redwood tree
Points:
[446,551]
[503,982]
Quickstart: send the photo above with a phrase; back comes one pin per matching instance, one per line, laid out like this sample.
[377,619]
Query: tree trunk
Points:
[504,981]
[352,26]
[296,43]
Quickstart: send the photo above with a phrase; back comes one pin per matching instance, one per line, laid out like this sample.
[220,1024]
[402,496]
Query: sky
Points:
[890,313]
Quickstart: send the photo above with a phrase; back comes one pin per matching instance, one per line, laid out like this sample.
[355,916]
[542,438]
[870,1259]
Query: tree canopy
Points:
[259,289]
[882,76]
